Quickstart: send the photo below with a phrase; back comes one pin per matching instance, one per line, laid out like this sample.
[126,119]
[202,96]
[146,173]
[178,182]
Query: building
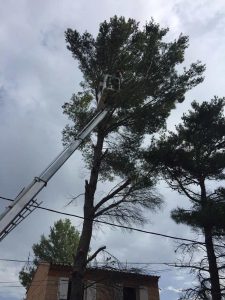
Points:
[50,282]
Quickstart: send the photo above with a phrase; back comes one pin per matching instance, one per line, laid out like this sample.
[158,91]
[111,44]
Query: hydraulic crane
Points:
[25,202]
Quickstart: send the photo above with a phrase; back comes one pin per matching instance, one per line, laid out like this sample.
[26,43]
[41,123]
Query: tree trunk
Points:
[80,260]
[213,269]
[79,266]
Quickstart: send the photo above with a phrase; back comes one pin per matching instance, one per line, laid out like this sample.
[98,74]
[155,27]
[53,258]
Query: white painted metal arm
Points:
[24,202]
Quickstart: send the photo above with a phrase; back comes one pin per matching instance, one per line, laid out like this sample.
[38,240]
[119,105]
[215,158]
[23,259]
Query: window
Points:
[129,293]
[63,288]
[143,293]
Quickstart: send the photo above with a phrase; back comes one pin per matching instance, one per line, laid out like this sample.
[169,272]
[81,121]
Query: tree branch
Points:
[108,208]
[188,266]
[73,199]
[111,195]
[183,188]
[95,254]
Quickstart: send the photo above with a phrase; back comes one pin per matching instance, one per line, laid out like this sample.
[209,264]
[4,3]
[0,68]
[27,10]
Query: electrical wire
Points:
[114,225]
[126,262]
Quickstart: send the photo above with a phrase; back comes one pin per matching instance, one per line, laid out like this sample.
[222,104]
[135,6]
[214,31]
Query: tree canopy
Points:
[192,155]
[58,247]
[151,87]
[151,82]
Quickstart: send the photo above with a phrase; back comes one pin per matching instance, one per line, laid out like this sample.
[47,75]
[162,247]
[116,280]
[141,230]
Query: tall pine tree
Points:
[190,159]
[150,89]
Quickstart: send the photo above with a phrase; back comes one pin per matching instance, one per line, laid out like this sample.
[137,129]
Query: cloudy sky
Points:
[38,74]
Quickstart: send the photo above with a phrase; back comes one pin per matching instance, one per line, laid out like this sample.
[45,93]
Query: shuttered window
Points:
[63,288]
[143,293]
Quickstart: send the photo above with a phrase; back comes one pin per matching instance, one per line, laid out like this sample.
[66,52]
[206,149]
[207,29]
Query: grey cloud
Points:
[3,96]
[38,74]
[200,18]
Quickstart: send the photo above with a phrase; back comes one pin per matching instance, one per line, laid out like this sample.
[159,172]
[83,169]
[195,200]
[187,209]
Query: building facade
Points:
[51,282]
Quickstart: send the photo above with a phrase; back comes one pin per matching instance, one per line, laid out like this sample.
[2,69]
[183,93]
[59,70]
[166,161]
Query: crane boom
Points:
[25,202]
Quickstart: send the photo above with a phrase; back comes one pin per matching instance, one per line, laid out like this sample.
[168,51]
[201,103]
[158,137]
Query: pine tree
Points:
[189,160]
[150,89]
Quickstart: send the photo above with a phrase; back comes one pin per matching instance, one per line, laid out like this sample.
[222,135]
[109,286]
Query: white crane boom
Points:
[25,203]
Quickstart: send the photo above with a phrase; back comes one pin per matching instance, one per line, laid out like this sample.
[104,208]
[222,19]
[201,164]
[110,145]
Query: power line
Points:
[11,286]
[15,260]
[43,281]
[104,264]
[126,262]
[122,226]
[8,199]
[114,225]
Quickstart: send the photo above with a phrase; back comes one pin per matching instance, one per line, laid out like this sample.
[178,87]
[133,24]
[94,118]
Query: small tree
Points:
[150,89]
[188,160]
[58,247]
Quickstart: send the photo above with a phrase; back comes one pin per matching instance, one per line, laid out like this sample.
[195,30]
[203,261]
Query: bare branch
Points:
[95,254]
[73,199]
[111,195]
[183,188]
[113,205]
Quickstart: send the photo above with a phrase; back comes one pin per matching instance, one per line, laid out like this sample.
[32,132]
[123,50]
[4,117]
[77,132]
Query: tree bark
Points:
[79,266]
[80,260]
[213,269]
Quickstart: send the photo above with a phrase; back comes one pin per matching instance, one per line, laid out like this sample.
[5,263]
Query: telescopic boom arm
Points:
[25,202]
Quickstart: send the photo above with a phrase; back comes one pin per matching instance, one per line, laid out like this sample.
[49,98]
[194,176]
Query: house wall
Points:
[38,287]
[106,289]
[90,291]
[51,288]
[45,285]
[107,292]
[153,293]
[116,293]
